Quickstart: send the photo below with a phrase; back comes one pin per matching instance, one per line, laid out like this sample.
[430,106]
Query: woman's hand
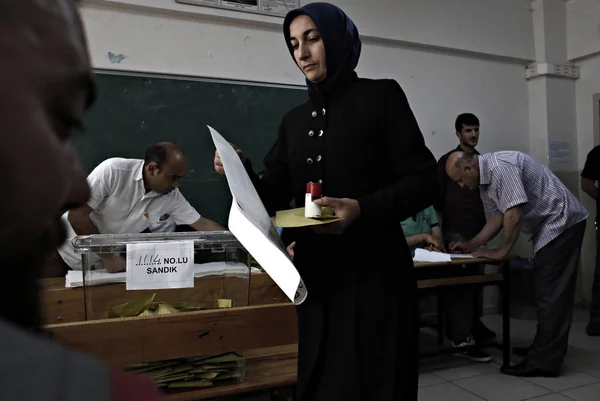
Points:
[219,163]
[348,210]
[290,250]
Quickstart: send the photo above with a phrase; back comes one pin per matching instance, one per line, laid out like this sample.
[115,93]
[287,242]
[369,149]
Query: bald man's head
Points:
[164,166]
[463,168]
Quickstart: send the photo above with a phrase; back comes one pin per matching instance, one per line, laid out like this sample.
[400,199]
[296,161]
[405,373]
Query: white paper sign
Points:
[160,265]
[423,255]
[252,226]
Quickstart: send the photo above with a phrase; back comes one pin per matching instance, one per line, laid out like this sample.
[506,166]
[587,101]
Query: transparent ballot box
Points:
[221,273]
[221,279]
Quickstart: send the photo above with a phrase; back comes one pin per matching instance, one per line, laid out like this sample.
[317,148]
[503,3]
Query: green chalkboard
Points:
[133,112]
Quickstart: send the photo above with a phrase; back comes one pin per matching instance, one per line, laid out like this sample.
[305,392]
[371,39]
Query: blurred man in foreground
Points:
[47,86]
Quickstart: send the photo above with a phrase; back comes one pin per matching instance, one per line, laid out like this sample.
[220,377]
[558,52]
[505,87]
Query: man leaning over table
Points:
[423,231]
[523,195]
[129,196]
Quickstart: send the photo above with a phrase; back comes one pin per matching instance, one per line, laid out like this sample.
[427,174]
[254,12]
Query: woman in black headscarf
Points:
[358,328]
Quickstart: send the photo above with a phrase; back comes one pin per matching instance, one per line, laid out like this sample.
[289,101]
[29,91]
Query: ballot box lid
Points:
[112,243]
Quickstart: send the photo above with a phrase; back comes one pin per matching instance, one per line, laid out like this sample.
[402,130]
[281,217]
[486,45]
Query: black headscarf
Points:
[340,37]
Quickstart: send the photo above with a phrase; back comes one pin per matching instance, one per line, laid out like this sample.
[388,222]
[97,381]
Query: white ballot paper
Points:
[423,255]
[252,226]
[461,256]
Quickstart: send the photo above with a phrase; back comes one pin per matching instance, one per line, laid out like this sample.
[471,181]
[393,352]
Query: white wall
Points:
[583,26]
[587,86]
[471,25]
[475,25]
[441,82]
[441,86]
[583,47]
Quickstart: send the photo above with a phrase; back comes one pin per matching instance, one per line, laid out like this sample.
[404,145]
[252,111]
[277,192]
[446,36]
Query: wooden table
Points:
[270,321]
[482,280]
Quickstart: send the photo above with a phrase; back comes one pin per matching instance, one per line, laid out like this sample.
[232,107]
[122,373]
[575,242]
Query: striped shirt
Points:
[509,179]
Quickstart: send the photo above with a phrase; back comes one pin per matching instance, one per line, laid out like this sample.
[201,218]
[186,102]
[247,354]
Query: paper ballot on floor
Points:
[252,226]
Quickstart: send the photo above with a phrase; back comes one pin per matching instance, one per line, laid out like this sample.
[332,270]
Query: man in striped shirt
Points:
[520,194]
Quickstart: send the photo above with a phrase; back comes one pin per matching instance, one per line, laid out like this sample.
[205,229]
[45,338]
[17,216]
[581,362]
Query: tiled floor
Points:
[449,378]
[454,379]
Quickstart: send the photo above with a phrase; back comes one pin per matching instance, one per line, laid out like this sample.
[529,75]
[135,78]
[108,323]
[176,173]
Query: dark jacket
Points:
[366,146]
[358,326]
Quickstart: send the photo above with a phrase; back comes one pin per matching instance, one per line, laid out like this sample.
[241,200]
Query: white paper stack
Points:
[461,256]
[423,255]
[74,278]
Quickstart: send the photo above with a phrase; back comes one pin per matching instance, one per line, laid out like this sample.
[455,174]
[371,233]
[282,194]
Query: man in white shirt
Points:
[131,196]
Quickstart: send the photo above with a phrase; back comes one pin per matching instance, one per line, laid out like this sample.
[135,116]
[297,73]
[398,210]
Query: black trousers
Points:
[595,306]
[555,276]
[459,305]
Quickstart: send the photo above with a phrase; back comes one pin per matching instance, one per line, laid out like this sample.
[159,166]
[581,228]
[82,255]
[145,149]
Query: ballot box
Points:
[132,275]
[167,274]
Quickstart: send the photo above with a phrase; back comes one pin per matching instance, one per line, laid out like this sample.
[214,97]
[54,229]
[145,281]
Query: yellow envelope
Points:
[224,303]
[295,218]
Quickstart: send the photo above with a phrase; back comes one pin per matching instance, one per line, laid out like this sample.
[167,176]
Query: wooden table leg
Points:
[506,348]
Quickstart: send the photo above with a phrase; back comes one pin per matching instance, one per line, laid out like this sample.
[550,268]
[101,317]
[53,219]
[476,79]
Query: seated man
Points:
[131,196]
[423,231]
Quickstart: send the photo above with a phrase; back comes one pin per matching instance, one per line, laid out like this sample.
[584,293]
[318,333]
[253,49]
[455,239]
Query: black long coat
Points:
[358,328]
